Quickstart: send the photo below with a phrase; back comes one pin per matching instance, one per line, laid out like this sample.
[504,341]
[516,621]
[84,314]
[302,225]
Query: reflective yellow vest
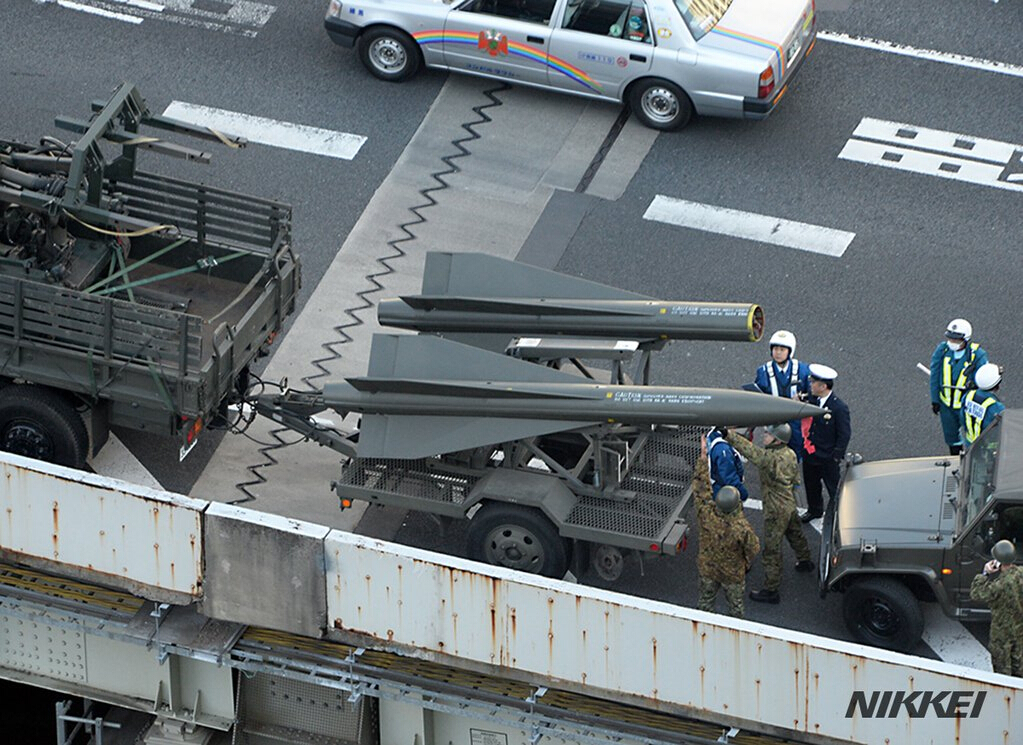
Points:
[952,393]
[974,413]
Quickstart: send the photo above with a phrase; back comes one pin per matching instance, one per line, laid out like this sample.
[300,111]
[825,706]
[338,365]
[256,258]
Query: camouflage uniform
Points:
[1003,592]
[779,476]
[728,546]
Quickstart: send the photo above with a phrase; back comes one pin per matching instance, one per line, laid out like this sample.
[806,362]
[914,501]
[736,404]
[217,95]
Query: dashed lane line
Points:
[269,131]
[749,225]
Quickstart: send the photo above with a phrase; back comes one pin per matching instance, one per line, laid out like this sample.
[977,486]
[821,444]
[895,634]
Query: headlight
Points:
[334,9]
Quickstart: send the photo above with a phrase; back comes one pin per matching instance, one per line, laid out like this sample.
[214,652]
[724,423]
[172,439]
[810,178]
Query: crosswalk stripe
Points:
[269,131]
[99,11]
[749,225]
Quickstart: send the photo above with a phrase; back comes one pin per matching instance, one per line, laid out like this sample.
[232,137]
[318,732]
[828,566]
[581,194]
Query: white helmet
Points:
[988,376]
[784,339]
[959,328]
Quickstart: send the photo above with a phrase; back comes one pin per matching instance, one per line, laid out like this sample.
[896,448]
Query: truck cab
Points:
[914,530]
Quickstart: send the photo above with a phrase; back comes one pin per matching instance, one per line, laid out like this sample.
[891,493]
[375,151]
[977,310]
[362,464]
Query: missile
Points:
[470,293]
[426,395]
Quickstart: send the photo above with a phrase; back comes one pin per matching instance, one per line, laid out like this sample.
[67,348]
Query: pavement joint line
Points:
[287,135]
[749,225]
[930,55]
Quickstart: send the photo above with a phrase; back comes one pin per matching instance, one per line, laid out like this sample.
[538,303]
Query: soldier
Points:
[954,363]
[728,543]
[779,475]
[1001,587]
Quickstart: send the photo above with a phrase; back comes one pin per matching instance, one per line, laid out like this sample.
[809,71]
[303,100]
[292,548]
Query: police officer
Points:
[826,438]
[785,376]
[725,465]
[1001,587]
[953,365]
[728,544]
[981,406]
[779,475]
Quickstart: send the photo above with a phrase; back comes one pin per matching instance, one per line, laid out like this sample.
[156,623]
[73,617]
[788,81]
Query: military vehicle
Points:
[555,461]
[918,530]
[139,298]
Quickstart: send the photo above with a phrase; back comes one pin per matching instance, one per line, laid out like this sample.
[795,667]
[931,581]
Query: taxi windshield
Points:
[702,15]
[979,470]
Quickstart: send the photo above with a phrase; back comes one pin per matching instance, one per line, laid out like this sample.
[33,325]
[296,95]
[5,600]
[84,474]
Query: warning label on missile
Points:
[657,397]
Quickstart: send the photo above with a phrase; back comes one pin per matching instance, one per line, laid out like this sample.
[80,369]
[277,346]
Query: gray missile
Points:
[469,293]
[425,396]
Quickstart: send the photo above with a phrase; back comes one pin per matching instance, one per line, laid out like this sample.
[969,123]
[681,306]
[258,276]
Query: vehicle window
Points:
[621,19]
[980,465]
[533,11]
[702,15]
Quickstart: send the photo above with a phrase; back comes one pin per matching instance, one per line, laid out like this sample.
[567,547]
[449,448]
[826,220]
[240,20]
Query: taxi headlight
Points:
[334,9]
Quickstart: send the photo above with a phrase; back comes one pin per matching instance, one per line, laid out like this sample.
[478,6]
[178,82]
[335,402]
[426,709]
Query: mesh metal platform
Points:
[414,479]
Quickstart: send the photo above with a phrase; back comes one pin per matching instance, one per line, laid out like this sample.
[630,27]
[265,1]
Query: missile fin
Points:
[401,436]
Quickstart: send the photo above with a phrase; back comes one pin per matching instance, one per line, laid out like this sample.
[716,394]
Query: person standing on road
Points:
[953,365]
[779,475]
[1001,587]
[981,406]
[728,543]
[785,376]
[725,465]
[825,440]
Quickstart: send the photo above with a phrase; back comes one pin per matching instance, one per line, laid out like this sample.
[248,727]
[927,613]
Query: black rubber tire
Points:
[660,104]
[883,612]
[517,537]
[40,423]
[389,54]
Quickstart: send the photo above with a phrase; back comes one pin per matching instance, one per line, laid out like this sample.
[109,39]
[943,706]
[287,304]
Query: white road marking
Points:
[269,131]
[930,55]
[117,462]
[935,152]
[951,641]
[240,17]
[749,225]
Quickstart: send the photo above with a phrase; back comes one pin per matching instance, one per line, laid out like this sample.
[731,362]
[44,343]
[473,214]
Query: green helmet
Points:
[727,499]
[1003,551]
[781,432]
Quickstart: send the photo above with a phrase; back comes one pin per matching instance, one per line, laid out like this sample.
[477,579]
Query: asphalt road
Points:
[926,249]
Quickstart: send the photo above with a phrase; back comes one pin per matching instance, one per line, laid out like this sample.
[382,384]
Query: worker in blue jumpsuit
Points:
[981,406]
[954,363]
[725,464]
[787,377]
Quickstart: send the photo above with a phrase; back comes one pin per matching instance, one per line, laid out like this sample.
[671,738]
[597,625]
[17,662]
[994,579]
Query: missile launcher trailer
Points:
[555,463]
[138,297]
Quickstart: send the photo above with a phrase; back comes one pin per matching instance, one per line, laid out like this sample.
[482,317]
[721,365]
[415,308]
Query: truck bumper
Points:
[341,32]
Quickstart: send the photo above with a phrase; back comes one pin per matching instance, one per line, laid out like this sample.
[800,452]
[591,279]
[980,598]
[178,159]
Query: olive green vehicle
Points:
[128,298]
[918,530]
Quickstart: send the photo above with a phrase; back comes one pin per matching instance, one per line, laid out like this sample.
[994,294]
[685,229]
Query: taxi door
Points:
[501,38]
[599,45]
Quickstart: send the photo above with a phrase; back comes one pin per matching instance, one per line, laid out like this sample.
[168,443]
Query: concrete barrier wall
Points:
[736,671]
[264,570]
[89,527]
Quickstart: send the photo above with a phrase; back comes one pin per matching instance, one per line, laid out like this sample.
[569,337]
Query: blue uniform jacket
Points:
[830,433]
[975,358]
[788,386]
[725,465]
[989,415]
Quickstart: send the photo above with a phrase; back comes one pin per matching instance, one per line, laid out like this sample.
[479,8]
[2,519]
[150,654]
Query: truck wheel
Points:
[39,423]
[883,613]
[518,538]
[389,54]
[660,104]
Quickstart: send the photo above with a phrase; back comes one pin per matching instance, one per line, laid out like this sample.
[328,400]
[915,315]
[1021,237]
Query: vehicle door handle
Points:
[535,39]
[637,58]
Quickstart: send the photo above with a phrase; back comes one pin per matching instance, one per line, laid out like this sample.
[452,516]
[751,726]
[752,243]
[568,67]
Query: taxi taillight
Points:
[766,83]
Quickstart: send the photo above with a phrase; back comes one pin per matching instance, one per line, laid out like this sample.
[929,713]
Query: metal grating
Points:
[418,479]
[661,474]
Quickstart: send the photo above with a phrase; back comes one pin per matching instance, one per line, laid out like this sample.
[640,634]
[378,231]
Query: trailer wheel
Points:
[884,613]
[518,538]
[40,423]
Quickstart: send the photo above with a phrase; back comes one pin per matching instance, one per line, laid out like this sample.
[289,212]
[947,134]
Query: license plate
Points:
[794,50]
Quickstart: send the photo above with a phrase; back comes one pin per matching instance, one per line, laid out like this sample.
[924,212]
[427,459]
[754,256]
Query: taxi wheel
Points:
[389,54]
[660,104]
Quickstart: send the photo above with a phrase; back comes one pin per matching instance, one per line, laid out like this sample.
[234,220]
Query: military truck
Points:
[128,298]
[918,530]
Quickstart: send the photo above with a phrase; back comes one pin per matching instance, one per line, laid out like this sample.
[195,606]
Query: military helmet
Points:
[1003,551]
[781,432]
[727,499]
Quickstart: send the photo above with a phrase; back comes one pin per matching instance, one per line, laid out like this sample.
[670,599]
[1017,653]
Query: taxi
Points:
[665,59]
